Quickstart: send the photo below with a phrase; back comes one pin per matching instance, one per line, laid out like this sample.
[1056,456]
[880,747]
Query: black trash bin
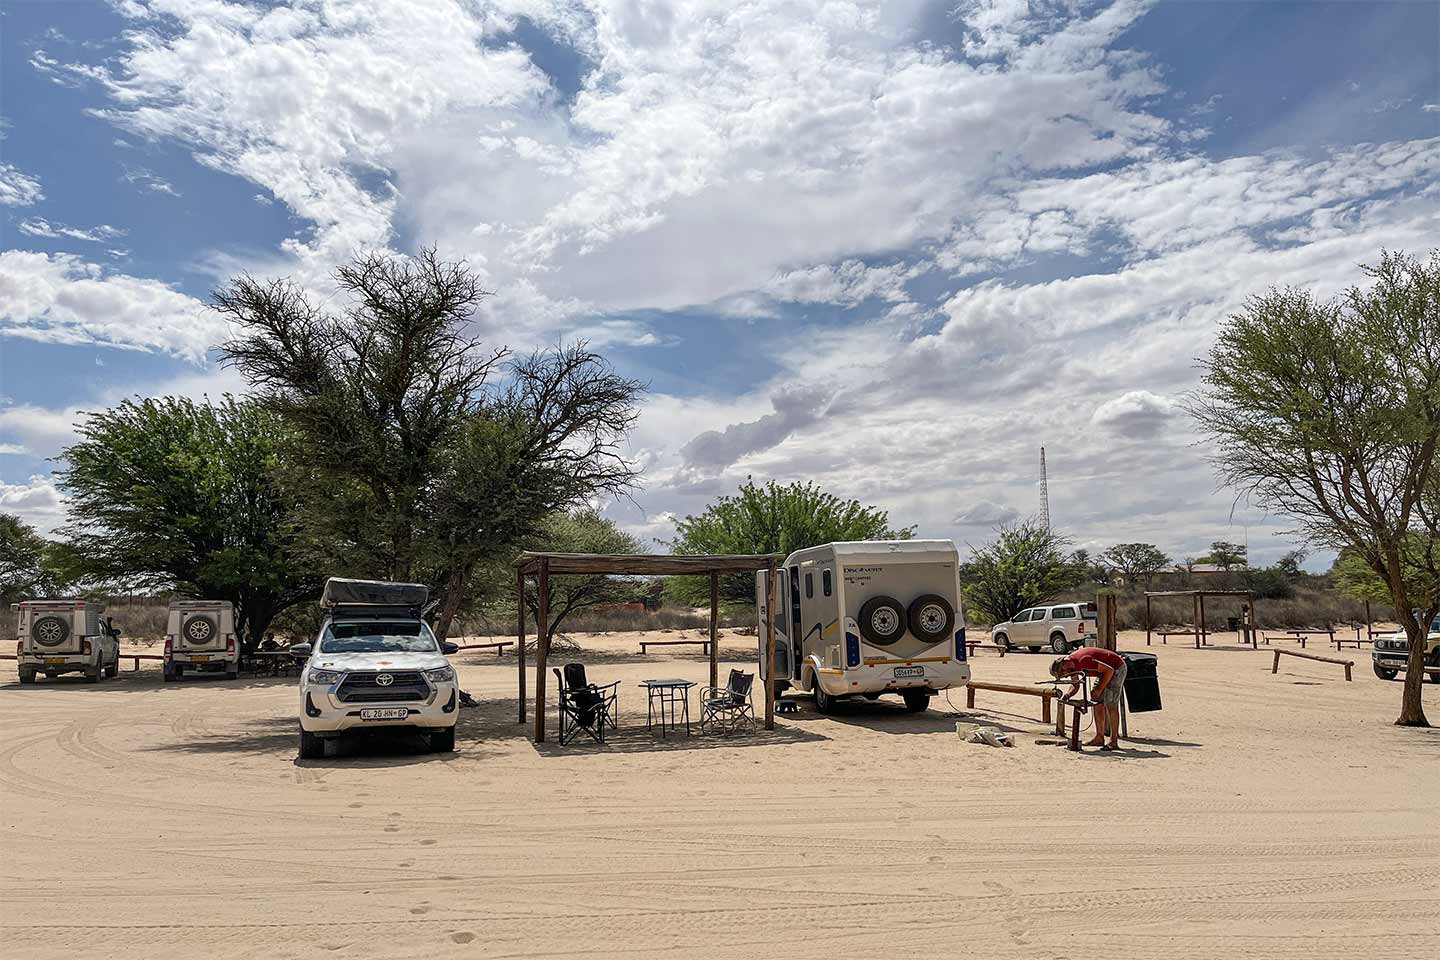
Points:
[1142,684]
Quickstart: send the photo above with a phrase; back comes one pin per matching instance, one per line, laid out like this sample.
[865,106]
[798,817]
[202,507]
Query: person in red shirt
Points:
[1107,668]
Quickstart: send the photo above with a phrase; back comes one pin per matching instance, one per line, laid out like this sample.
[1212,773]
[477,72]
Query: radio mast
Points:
[1044,492]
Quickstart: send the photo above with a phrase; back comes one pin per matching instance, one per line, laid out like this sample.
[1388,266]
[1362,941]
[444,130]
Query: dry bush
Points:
[1307,609]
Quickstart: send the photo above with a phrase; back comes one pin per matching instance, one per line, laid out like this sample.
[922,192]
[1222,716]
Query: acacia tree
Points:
[1329,413]
[27,563]
[1025,565]
[1137,560]
[416,452]
[772,519]
[1227,555]
[579,531]
[173,494]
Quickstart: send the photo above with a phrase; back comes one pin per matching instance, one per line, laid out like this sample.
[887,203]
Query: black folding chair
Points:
[728,708]
[586,707]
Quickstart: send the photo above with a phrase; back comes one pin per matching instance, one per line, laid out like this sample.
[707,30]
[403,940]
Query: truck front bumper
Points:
[322,712]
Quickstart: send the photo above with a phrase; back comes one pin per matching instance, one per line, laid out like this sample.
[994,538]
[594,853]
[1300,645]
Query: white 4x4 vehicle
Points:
[200,638]
[66,636]
[1061,627]
[375,664]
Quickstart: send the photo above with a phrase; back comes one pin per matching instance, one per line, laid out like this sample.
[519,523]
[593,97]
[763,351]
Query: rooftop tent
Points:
[339,590]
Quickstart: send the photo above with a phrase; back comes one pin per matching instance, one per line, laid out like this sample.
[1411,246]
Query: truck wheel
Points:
[93,676]
[1003,642]
[931,618]
[882,621]
[312,747]
[1060,644]
[113,670]
[27,676]
[167,673]
[232,674]
[824,703]
[50,631]
[442,741]
[1384,673]
[916,701]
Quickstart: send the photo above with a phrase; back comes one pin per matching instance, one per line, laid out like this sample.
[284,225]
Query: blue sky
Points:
[890,247]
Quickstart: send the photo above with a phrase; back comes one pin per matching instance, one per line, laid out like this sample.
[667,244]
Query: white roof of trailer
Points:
[880,551]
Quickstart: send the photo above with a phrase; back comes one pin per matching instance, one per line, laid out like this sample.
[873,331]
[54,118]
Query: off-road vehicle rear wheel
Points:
[442,741]
[312,746]
[92,675]
[916,701]
[824,703]
[1059,643]
[882,621]
[1384,673]
[27,676]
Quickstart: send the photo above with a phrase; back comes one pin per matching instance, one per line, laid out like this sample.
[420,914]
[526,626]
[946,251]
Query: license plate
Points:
[909,672]
[200,658]
[54,659]
[384,713]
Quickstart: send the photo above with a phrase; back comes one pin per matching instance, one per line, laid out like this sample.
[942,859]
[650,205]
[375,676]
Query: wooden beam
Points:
[1204,627]
[542,646]
[714,629]
[642,564]
[520,639]
[770,646]
[1149,619]
[1347,664]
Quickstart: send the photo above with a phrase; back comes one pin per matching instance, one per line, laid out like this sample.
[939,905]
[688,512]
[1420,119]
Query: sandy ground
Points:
[1256,816]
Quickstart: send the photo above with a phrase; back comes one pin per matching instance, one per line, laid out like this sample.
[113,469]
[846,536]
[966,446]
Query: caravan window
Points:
[1062,613]
[809,585]
[825,581]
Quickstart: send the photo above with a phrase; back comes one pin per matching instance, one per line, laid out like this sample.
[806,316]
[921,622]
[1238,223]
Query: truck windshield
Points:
[378,637]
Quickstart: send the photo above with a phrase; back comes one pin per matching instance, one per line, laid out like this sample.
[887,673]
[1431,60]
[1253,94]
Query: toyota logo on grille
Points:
[384,679]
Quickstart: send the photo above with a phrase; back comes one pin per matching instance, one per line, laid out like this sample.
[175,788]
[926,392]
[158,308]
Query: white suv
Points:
[200,638]
[1061,627]
[375,664]
[65,636]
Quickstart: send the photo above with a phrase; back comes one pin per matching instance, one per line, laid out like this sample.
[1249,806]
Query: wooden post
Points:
[714,629]
[1369,634]
[1108,620]
[1148,620]
[1195,613]
[770,646]
[520,638]
[542,645]
[1347,672]
[1044,709]
[969,697]
[1074,729]
[1204,628]
[1059,717]
[1275,667]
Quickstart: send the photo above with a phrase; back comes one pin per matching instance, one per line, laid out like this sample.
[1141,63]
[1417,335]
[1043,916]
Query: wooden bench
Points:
[704,645]
[1347,664]
[499,646]
[1045,695]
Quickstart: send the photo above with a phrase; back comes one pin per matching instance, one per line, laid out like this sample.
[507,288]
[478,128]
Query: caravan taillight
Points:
[85,647]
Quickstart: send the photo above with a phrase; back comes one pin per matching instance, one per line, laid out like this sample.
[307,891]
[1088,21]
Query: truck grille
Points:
[364,687]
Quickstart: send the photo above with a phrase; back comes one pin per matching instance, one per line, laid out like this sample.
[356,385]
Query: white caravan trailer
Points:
[864,618]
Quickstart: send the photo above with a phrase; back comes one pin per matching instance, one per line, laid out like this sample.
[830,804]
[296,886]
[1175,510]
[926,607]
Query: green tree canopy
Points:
[1137,561]
[1226,555]
[772,519]
[416,452]
[1026,564]
[1329,413]
[27,563]
[174,494]
[580,531]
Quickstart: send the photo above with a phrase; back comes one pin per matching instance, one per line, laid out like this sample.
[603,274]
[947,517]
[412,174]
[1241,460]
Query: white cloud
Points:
[61,298]
[40,227]
[984,513]
[18,189]
[1136,413]
[37,502]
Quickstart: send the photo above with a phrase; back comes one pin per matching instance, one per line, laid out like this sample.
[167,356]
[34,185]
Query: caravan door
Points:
[779,618]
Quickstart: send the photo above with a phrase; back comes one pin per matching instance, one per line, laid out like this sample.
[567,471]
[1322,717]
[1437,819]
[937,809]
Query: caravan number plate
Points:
[200,658]
[54,659]
[384,713]
[909,671]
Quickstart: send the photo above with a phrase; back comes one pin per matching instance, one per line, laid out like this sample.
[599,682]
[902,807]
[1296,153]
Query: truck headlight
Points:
[440,674]
[323,677]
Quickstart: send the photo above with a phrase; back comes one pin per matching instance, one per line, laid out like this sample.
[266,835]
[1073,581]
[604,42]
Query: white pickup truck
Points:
[200,638]
[375,664]
[65,636]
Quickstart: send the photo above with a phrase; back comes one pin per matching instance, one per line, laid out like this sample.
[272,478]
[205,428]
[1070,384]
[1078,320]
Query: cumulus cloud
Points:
[60,298]
[1136,413]
[37,502]
[17,188]
[40,227]
[795,408]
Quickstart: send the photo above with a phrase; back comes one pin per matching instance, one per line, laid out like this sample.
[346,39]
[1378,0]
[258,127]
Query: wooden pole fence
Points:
[1347,664]
[1045,697]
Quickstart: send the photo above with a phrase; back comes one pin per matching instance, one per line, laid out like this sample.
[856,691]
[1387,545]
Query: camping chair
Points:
[727,708]
[585,707]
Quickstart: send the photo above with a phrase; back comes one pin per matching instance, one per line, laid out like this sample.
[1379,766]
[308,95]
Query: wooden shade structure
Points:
[1197,599]
[542,566]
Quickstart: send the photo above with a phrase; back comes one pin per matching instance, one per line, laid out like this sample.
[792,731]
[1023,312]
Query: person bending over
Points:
[1107,669]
